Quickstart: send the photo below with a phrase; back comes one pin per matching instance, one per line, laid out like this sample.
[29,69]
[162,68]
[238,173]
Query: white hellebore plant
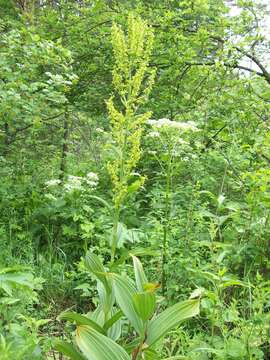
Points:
[99,334]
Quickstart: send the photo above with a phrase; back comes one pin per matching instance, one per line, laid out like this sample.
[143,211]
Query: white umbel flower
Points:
[53,182]
[166,123]
[73,183]
[154,134]
[92,176]
[92,179]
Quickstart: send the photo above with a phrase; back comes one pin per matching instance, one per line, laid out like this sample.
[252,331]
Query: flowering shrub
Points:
[75,183]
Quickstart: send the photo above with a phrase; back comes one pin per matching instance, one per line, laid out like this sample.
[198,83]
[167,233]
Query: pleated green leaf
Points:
[106,298]
[125,290]
[94,265]
[170,318]
[140,276]
[96,346]
[116,317]
[114,331]
[150,354]
[68,349]
[145,304]
[81,320]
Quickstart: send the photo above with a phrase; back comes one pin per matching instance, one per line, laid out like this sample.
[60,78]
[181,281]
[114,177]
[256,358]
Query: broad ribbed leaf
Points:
[97,316]
[125,290]
[150,354]
[106,298]
[112,327]
[170,318]
[109,323]
[145,304]
[140,276]
[132,345]
[68,349]
[94,265]
[96,346]
[80,320]
[114,331]
[135,252]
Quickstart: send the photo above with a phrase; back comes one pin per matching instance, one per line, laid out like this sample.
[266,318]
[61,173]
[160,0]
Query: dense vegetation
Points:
[134,145]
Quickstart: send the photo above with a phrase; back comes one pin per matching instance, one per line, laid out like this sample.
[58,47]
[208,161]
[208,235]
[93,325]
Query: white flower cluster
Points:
[53,182]
[92,179]
[154,134]
[79,182]
[73,183]
[76,182]
[166,123]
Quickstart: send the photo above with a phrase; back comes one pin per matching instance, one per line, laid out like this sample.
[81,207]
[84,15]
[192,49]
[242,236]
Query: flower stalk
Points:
[132,80]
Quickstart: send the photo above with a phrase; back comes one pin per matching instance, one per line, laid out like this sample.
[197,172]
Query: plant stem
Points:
[166,223]
[115,233]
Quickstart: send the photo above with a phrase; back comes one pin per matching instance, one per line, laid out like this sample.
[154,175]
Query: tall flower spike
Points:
[132,80]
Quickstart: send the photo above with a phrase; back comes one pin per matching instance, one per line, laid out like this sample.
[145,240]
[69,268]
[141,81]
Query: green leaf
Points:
[67,349]
[104,202]
[96,346]
[81,320]
[115,329]
[132,345]
[109,323]
[94,265]
[170,318]
[145,304]
[125,290]
[106,298]
[150,354]
[140,276]
[134,186]
[127,253]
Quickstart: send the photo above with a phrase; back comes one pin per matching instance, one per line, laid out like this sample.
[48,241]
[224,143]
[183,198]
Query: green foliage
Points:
[19,336]
[138,307]
[84,175]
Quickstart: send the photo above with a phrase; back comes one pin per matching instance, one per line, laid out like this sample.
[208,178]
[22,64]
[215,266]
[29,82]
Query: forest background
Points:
[134,130]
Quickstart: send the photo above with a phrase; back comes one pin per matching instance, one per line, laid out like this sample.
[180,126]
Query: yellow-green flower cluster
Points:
[132,80]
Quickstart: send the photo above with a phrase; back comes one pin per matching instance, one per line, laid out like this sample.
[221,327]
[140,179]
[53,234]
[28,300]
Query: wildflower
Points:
[92,184]
[91,179]
[166,123]
[154,134]
[53,182]
[92,176]
[73,183]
